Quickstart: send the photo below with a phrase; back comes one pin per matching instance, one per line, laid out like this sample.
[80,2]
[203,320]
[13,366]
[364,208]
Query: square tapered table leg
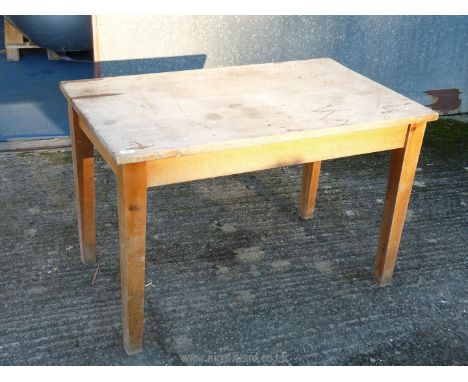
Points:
[83,169]
[132,198]
[310,180]
[400,180]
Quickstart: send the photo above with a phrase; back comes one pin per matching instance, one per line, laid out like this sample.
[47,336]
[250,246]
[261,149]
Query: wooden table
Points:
[158,129]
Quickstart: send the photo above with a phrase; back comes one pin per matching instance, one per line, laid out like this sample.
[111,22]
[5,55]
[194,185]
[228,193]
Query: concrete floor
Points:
[233,275]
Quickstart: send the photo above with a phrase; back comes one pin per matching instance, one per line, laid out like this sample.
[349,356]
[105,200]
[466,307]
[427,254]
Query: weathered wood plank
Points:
[162,115]
[13,39]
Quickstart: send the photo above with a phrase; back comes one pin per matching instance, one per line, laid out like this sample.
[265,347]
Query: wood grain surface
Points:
[152,116]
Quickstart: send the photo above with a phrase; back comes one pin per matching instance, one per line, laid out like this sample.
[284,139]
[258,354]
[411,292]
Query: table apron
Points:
[98,145]
[235,161]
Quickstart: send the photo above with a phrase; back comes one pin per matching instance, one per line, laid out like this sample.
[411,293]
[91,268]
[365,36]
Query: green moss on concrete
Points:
[57,157]
[26,154]
[447,137]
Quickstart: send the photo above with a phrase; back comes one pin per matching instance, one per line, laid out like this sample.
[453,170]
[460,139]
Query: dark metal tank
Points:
[59,33]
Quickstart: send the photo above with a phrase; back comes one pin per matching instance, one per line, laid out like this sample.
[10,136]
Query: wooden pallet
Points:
[15,41]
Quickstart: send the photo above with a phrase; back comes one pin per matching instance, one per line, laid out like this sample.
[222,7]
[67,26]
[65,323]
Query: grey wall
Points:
[410,54]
